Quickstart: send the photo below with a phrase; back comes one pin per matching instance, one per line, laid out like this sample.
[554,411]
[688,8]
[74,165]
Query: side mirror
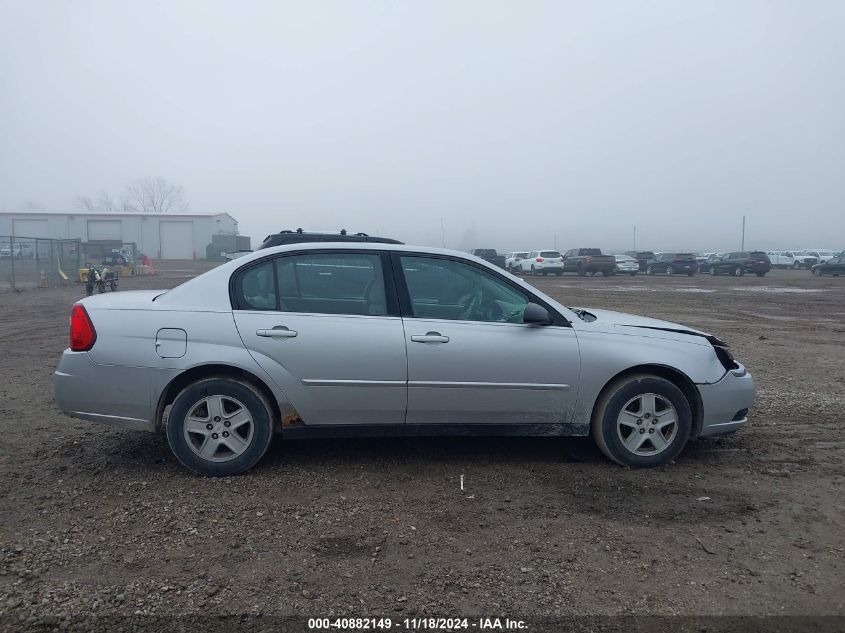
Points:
[536,315]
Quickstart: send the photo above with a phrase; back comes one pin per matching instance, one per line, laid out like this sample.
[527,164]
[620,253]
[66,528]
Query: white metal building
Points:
[158,235]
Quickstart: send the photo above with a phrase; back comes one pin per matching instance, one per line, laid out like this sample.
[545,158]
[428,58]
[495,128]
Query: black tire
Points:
[533,271]
[582,272]
[691,273]
[713,271]
[739,272]
[818,272]
[649,270]
[609,407]
[253,401]
[559,273]
[796,265]
[760,274]
[633,274]
[670,271]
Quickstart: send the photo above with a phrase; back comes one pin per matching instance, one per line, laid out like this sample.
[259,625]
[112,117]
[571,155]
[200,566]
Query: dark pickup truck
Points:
[588,260]
[489,255]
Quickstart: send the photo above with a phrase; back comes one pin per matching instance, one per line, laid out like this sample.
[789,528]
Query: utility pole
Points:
[442,232]
[742,248]
[555,239]
[635,237]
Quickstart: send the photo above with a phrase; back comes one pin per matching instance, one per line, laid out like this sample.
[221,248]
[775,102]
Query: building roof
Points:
[115,215]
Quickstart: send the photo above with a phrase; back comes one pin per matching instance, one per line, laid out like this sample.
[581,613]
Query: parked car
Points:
[300,236]
[672,264]
[588,260]
[512,260]
[18,249]
[834,266]
[821,255]
[542,263]
[275,342]
[626,265]
[740,263]
[791,259]
[642,257]
[490,255]
[705,261]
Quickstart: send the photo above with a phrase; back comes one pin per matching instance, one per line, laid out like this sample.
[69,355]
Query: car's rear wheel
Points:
[219,426]
[649,270]
[670,270]
[760,274]
[533,271]
[796,265]
[713,271]
[582,271]
[691,273]
[642,421]
[738,271]
[818,272]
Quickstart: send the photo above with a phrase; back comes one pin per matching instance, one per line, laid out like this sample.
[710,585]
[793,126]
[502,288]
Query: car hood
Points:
[631,324]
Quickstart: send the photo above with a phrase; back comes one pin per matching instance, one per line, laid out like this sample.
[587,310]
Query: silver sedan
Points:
[310,340]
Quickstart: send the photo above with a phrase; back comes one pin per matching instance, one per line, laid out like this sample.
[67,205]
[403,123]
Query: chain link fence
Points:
[31,262]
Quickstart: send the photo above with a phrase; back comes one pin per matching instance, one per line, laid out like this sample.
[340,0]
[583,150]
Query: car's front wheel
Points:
[818,272]
[739,271]
[642,421]
[219,426]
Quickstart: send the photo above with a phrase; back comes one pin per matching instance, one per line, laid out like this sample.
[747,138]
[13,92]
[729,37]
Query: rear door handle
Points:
[430,337]
[279,331]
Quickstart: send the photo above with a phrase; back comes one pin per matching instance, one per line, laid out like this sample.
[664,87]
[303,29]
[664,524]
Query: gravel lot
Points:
[96,520]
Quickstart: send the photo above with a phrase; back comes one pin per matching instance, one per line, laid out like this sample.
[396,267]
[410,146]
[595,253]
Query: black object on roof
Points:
[299,236]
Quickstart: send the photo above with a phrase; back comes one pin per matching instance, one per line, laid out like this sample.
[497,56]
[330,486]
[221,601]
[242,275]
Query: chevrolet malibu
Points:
[316,340]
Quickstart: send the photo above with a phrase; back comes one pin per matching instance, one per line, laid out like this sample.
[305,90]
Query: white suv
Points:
[790,259]
[512,260]
[542,263]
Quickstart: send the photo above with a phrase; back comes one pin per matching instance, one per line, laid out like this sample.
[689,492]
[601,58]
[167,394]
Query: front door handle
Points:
[279,331]
[430,337]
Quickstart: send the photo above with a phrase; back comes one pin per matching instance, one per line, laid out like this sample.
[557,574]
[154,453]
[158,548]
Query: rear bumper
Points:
[725,404]
[111,394]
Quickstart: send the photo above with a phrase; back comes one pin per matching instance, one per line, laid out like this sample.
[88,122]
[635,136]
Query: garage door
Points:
[30,228]
[177,240]
[105,230]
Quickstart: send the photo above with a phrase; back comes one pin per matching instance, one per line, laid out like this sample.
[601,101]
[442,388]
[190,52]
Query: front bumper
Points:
[725,404]
[115,395]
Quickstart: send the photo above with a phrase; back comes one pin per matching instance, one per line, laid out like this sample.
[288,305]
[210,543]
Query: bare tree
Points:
[155,195]
[103,204]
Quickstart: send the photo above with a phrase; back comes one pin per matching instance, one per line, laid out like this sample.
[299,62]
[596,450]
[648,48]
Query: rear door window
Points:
[332,283]
[317,283]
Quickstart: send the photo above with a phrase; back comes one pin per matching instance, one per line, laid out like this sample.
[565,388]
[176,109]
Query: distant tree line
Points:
[145,195]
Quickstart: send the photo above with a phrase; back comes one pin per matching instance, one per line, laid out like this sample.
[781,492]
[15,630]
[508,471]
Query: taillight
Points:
[588,259]
[539,259]
[82,332]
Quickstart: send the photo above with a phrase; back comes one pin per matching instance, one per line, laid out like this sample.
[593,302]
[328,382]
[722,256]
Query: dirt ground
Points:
[97,520]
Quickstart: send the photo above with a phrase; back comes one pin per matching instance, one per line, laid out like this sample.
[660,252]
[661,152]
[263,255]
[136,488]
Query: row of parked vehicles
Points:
[591,261]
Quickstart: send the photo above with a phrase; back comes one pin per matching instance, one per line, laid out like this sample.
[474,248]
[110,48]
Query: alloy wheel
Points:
[647,424]
[218,428]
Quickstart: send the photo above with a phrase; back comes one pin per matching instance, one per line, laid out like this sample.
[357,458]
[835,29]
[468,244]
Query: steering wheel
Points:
[470,303]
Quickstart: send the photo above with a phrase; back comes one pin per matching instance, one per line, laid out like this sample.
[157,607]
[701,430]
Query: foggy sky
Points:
[519,124]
